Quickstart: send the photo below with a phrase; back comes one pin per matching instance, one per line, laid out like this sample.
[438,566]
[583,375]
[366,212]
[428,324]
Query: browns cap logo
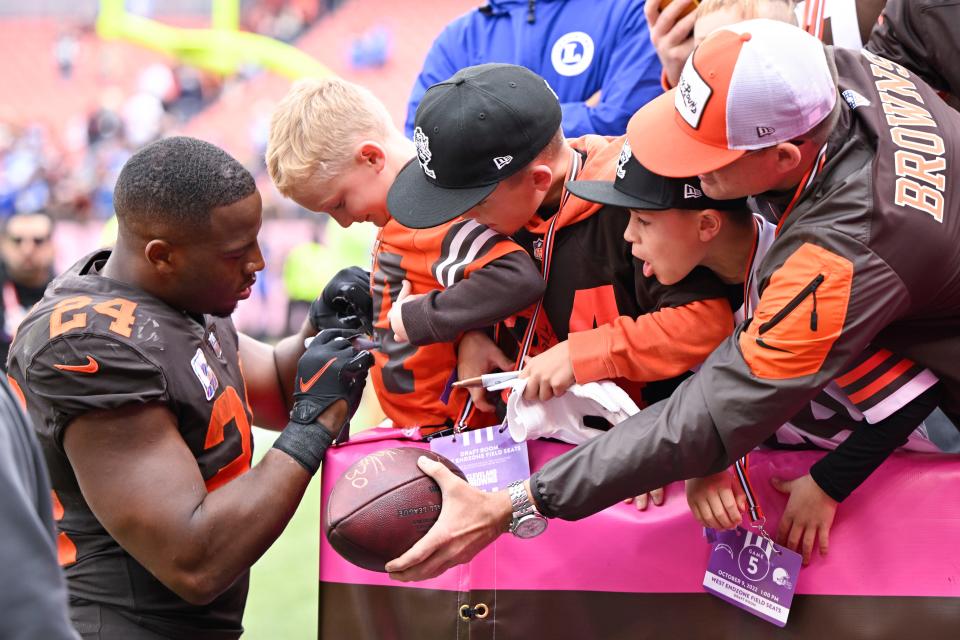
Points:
[422,142]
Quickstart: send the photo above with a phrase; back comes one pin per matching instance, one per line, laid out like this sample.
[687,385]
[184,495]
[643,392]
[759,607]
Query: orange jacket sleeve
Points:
[655,346]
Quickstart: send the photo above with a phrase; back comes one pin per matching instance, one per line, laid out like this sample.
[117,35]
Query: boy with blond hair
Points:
[334,149]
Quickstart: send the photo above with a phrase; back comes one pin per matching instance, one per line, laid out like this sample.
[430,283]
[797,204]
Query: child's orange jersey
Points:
[410,380]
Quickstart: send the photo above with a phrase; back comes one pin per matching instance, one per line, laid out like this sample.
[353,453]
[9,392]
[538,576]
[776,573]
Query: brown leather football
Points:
[382,505]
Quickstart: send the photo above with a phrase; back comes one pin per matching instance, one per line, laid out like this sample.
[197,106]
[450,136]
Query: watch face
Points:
[530,526]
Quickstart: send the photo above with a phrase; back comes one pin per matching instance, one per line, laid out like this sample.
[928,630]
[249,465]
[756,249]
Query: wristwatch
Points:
[527,521]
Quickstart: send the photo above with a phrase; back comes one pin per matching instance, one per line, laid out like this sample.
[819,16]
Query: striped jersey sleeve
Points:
[880,383]
[467,246]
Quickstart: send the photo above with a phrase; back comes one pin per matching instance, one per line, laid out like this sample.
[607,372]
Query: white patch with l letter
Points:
[572,53]
[205,374]
[692,95]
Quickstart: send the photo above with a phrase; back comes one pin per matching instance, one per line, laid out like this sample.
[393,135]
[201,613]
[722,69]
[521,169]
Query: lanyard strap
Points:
[741,467]
[805,182]
[748,274]
[547,259]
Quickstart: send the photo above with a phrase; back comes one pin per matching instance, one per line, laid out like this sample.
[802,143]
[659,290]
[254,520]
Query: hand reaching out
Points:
[548,374]
[717,501]
[644,499]
[477,355]
[807,517]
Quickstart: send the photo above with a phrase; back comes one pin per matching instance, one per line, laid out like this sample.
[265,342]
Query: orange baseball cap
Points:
[748,86]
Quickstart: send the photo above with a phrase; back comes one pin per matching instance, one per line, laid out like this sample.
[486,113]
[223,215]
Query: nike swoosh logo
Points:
[92,366]
[306,387]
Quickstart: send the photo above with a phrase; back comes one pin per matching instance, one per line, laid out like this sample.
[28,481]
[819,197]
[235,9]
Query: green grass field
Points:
[283,585]
[282,604]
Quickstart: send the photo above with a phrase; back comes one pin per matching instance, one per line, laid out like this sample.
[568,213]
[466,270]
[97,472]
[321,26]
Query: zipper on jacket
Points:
[810,289]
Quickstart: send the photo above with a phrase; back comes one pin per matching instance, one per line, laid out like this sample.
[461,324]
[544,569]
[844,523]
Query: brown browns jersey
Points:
[97,344]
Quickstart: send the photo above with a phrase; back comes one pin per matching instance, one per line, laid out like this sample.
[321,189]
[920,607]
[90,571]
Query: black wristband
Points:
[305,443]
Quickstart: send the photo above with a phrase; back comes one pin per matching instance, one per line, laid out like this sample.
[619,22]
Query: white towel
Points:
[561,417]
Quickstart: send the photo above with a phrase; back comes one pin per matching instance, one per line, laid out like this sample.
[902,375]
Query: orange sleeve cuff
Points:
[590,354]
[655,346]
[664,82]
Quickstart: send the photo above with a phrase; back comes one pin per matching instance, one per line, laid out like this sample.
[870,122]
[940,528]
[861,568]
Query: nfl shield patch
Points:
[204,374]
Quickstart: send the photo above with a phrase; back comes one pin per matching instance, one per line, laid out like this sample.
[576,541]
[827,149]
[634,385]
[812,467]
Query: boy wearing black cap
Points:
[674,228]
[333,148]
[490,148]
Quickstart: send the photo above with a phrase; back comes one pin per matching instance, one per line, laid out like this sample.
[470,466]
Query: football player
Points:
[131,369]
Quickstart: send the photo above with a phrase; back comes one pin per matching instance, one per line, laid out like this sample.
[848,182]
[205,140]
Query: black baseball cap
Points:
[636,187]
[480,127]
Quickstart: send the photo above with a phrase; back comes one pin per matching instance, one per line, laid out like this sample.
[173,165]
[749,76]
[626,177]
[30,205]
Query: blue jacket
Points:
[579,46]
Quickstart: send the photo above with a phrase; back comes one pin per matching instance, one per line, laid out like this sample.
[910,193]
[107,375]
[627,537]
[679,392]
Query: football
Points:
[381,505]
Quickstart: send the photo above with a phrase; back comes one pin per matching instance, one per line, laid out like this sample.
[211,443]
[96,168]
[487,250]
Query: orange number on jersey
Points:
[77,321]
[66,550]
[121,311]
[593,308]
[226,409]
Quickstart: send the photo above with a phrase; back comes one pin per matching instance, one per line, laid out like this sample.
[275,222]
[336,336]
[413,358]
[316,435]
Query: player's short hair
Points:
[782,10]
[178,181]
[315,127]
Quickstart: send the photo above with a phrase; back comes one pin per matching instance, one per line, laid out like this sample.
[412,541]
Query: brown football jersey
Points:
[95,344]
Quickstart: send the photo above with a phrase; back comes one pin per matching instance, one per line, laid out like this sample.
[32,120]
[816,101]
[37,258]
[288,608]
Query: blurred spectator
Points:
[65,52]
[371,49]
[305,273]
[26,247]
[595,54]
[281,19]
[104,123]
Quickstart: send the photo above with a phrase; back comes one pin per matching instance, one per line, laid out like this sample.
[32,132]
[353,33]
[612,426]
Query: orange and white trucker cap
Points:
[747,86]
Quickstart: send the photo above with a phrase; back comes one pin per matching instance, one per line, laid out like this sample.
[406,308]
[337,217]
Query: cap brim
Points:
[662,144]
[605,193]
[417,203]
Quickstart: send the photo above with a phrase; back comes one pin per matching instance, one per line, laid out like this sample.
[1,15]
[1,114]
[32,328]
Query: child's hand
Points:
[808,516]
[548,374]
[643,499]
[716,501]
[395,316]
[477,354]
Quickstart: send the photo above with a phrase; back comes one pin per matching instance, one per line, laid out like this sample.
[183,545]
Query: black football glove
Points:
[345,303]
[331,369]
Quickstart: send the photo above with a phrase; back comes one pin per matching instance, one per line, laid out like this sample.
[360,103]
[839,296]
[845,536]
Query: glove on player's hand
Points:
[345,303]
[331,369]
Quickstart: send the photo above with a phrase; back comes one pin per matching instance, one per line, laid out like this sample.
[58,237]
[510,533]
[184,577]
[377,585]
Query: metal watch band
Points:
[519,499]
